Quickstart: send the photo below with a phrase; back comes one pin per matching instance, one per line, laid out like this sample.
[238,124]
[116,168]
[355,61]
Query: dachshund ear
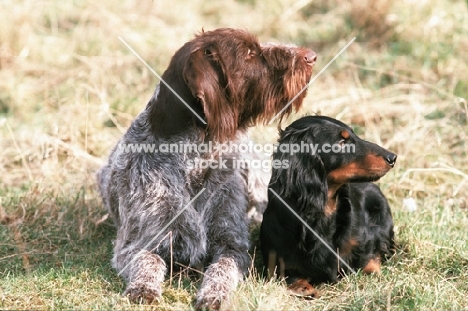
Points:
[206,79]
[304,178]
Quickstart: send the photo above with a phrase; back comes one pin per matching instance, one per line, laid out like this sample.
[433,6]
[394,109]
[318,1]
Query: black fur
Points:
[333,193]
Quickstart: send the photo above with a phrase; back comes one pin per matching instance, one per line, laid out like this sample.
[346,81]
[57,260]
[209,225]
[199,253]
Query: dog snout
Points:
[310,57]
[391,159]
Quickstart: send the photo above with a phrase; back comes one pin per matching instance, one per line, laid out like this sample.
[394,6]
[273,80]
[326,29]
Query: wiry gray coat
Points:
[232,82]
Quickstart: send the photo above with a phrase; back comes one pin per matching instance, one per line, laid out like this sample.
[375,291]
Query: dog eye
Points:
[251,53]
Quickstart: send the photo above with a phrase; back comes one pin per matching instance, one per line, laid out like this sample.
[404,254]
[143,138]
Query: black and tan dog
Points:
[330,187]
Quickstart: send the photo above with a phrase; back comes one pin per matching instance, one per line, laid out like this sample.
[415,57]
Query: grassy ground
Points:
[69,88]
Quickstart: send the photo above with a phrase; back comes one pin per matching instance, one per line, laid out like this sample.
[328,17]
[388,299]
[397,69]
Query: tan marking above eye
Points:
[345,134]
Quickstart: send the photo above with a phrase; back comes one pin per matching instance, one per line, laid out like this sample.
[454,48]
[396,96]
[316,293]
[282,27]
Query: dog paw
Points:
[210,297]
[302,288]
[208,305]
[143,293]
[373,266]
[221,278]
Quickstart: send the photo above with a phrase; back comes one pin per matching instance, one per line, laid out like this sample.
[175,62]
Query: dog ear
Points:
[302,176]
[205,76]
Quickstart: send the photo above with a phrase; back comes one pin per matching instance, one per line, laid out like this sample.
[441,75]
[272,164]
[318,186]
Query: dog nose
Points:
[391,159]
[310,57]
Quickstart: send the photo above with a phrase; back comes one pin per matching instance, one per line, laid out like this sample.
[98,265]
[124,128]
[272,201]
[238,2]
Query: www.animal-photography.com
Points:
[234,155]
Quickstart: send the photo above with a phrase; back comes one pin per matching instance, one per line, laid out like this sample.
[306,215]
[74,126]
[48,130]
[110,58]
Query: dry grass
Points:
[69,89]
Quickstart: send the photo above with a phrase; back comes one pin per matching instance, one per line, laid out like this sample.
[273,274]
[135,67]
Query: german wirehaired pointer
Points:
[232,82]
[334,194]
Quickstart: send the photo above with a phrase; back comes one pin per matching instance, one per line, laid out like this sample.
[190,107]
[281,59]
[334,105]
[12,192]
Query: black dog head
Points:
[330,155]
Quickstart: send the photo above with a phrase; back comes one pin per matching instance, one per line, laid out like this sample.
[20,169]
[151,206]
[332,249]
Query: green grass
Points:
[69,88]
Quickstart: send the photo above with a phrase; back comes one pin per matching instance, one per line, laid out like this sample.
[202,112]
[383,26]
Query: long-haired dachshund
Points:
[329,185]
